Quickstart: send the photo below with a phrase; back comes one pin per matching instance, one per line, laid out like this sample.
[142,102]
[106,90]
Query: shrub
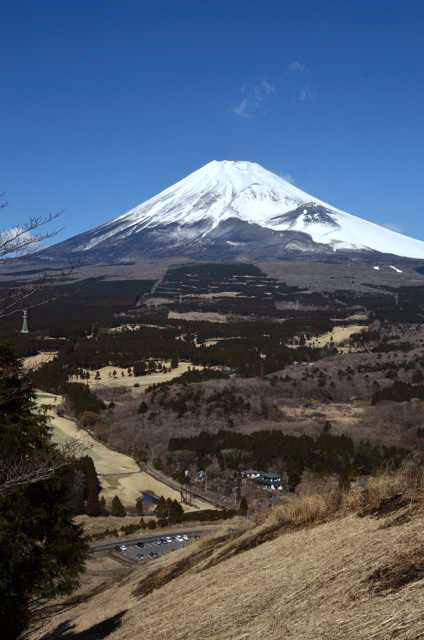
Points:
[88,418]
[206,515]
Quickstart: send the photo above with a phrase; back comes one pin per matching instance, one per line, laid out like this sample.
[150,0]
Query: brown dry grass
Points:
[338,335]
[34,362]
[119,474]
[198,316]
[342,578]
[100,524]
[106,379]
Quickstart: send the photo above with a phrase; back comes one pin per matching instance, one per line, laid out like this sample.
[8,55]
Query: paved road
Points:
[150,545]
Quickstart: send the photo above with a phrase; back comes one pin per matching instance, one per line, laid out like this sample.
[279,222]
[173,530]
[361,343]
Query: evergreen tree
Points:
[161,510]
[139,505]
[41,551]
[243,506]
[102,503]
[175,512]
[93,504]
[118,508]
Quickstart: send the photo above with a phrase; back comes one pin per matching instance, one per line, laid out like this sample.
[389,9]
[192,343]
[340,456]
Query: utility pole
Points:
[24,322]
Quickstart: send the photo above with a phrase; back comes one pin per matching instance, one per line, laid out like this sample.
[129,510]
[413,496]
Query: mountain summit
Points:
[232,209]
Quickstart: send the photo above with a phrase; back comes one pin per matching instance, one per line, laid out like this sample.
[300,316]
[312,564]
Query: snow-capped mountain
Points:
[232,209]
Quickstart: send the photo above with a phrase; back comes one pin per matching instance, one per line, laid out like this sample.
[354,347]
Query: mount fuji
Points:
[234,210]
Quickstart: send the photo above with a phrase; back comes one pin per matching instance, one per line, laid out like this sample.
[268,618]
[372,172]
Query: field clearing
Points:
[34,362]
[212,295]
[211,342]
[198,316]
[337,335]
[356,317]
[122,328]
[337,413]
[119,474]
[108,380]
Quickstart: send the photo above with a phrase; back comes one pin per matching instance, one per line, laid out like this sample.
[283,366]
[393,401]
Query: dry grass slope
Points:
[313,570]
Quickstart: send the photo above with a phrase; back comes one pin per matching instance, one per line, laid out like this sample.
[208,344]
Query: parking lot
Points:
[148,549]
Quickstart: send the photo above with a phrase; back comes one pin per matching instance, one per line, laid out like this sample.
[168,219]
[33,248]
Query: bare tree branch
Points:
[24,471]
[24,241]
[16,242]
[25,296]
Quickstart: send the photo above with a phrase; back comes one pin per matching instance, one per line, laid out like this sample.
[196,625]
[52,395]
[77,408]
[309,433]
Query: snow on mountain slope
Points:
[345,231]
[212,194]
[193,211]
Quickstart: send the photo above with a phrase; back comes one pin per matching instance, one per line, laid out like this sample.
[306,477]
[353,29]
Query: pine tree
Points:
[243,506]
[175,512]
[41,551]
[93,505]
[92,486]
[161,510]
[118,508]
[139,505]
[102,503]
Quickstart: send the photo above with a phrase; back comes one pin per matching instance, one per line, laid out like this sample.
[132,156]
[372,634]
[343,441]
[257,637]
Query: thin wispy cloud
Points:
[296,67]
[254,99]
[288,177]
[304,94]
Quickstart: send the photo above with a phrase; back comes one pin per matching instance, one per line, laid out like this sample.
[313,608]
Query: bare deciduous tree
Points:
[22,241]
[21,472]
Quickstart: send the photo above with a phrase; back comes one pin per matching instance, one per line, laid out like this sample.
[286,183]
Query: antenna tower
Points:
[24,322]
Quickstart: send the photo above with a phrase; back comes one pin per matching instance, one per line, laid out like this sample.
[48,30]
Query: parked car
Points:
[123,547]
[185,537]
[140,556]
[140,545]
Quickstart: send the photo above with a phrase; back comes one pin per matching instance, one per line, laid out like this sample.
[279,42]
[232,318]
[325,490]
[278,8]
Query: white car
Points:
[168,539]
[179,539]
[185,537]
[123,547]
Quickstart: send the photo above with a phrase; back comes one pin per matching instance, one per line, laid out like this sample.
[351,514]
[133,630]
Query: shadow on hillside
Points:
[66,630]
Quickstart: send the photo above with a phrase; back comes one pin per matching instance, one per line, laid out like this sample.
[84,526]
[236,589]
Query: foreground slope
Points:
[349,578]
[233,209]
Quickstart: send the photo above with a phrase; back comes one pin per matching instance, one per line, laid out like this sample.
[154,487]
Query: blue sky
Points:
[103,104]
